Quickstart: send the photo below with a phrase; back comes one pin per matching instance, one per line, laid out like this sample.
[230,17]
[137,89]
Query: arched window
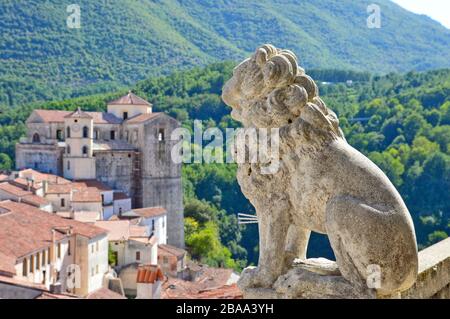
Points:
[85,150]
[68,149]
[68,132]
[85,132]
[36,138]
[161,135]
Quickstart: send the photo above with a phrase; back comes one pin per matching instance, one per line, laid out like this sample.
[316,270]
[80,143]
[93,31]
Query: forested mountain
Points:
[401,121]
[123,41]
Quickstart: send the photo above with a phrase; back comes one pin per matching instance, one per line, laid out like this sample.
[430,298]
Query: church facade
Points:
[127,148]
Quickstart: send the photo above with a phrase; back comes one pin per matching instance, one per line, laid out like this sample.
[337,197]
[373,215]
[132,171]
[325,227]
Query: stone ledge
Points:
[433,280]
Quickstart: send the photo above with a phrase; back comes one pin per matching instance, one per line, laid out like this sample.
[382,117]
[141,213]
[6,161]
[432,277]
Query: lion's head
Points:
[269,90]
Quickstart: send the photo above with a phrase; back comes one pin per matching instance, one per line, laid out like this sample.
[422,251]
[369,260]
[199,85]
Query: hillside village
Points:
[94,210]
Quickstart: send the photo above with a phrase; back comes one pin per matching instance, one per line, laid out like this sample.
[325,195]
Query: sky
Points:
[438,10]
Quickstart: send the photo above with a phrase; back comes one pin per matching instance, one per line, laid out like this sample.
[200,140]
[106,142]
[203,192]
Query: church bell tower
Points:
[78,161]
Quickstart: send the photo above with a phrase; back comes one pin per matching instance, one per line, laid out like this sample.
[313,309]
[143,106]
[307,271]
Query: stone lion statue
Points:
[323,185]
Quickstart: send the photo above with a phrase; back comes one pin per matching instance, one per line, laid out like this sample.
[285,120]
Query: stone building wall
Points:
[115,169]
[41,157]
[161,178]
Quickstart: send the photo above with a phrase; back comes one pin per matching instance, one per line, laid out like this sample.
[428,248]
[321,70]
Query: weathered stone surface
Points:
[322,184]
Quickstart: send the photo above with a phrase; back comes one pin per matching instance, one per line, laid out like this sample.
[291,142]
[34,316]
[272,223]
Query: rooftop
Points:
[168,250]
[86,195]
[146,212]
[24,229]
[55,116]
[130,99]
[148,274]
[78,114]
[13,190]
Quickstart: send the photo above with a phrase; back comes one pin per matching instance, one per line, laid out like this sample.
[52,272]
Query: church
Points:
[128,148]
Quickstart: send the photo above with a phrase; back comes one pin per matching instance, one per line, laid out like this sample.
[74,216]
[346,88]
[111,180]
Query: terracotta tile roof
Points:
[213,283]
[145,240]
[142,118]
[146,212]
[86,217]
[168,250]
[86,195]
[39,177]
[117,230]
[78,114]
[129,99]
[91,183]
[3,177]
[104,293]
[7,265]
[120,196]
[55,116]
[13,190]
[138,231]
[148,274]
[35,200]
[24,229]
[59,188]
[224,292]
[180,289]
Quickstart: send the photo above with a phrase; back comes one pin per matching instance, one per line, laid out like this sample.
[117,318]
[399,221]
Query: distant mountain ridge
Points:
[121,42]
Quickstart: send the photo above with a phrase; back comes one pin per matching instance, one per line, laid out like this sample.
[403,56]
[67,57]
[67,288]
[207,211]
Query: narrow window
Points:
[161,135]
[44,257]
[92,249]
[59,135]
[138,255]
[36,165]
[68,132]
[103,199]
[113,135]
[96,133]
[59,250]
[31,264]
[38,261]
[125,115]
[153,224]
[63,202]
[36,138]
[68,165]
[85,132]
[85,150]
[48,256]
[25,267]
[68,149]
[69,248]
[96,246]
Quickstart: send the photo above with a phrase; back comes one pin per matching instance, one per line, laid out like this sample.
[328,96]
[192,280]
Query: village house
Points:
[42,248]
[172,261]
[154,218]
[130,243]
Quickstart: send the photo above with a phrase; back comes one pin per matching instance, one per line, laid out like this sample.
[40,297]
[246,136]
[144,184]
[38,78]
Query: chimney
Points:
[45,187]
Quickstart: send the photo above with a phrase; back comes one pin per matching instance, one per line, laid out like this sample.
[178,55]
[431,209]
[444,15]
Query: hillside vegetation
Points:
[402,122]
[124,41]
